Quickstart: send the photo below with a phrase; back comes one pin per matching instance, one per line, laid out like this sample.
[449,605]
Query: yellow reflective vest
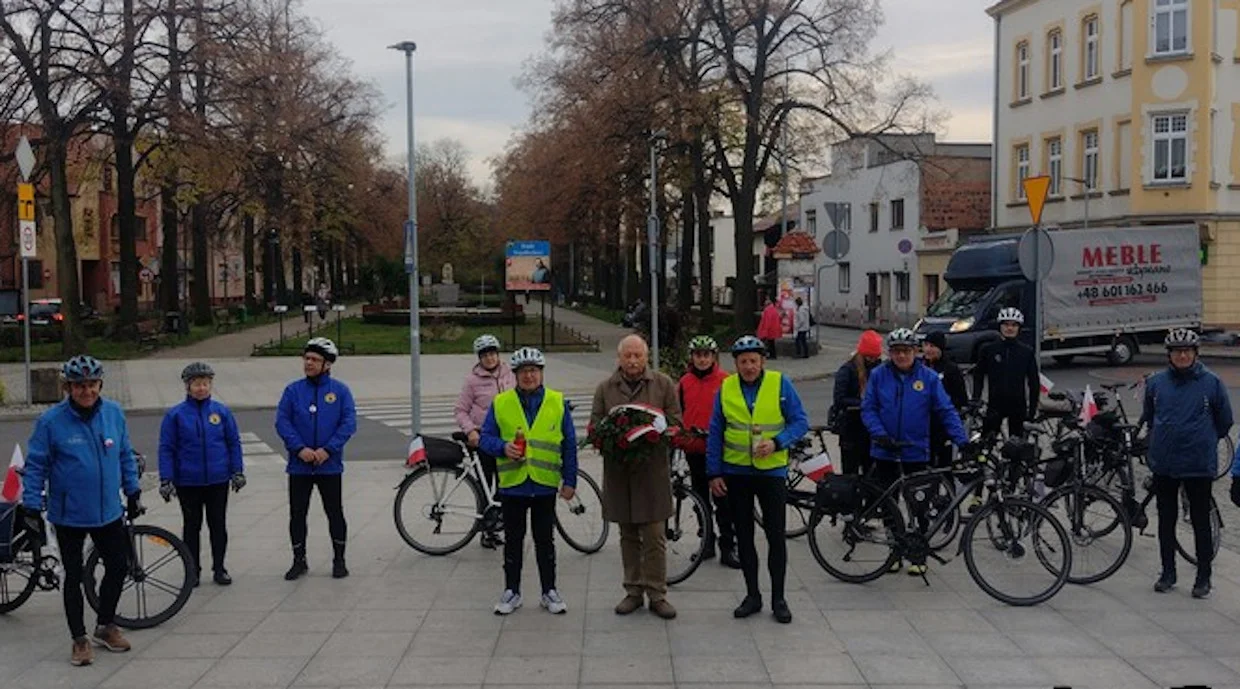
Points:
[742,428]
[542,439]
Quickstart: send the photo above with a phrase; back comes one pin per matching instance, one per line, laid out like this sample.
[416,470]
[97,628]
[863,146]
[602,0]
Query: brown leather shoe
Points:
[628,604]
[82,654]
[110,637]
[663,609]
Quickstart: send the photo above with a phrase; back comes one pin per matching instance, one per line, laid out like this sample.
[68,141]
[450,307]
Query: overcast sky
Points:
[471,51]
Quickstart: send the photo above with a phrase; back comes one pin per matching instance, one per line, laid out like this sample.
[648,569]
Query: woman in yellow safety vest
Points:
[529,430]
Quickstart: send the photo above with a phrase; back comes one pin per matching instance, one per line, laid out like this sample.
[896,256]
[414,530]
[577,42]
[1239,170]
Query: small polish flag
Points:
[417,452]
[817,467]
[1089,408]
[12,490]
[1047,383]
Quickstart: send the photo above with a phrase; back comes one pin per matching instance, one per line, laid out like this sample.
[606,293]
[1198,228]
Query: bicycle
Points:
[461,502]
[160,567]
[868,515]
[684,554]
[802,492]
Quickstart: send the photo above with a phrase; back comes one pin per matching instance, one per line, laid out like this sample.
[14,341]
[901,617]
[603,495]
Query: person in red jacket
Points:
[698,389]
[770,327]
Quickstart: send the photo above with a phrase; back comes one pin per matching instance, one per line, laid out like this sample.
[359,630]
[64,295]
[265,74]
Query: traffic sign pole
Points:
[1036,189]
[26,322]
[29,250]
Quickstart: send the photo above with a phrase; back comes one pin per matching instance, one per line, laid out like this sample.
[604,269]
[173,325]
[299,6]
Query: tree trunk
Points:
[201,287]
[744,300]
[706,239]
[298,285]
[684,267]
[126,212]
[56,158]
[170,217]
[247,258]
[268,247]
[281,276]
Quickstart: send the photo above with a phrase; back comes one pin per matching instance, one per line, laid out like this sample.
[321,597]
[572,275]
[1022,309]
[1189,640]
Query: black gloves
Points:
[135,509]
[167,490]
[886,443]
[31,519]
[238,482]
[1235,490]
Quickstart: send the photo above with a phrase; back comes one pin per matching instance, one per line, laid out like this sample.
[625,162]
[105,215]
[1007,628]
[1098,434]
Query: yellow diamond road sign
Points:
[25,201]
[1035,193]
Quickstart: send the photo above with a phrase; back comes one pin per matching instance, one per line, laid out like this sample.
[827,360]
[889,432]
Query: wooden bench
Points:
[225,321]
[150,335]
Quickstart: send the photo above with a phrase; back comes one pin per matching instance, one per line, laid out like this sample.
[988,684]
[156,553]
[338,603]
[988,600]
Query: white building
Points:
[893,200]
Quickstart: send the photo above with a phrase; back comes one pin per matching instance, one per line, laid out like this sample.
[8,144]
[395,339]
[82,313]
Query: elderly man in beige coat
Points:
[638,495]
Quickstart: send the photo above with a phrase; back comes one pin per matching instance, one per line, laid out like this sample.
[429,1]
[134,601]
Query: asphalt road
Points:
[376,441]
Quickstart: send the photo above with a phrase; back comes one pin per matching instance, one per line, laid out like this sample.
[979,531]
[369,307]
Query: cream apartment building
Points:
[1132,108]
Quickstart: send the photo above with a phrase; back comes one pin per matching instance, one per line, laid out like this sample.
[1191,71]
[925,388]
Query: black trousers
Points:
[855,457]
[299,488]
[1015,422]
[541,511]
[111,542]
[213,500]
[1167,492]
[771,492]
[719,506]
[770,349]
[887,472]
[803,344]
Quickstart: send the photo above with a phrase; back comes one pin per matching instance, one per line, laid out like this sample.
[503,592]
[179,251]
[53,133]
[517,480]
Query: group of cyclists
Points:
[893,417]
[80,461]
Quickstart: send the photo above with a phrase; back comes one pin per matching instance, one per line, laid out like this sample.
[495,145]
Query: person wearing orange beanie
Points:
[845,414]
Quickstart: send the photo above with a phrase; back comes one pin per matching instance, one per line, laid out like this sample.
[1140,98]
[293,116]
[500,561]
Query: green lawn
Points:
[601,312]
[100,347]
[366,338]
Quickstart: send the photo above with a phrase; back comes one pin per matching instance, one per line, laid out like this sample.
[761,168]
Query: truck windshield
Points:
[957,303]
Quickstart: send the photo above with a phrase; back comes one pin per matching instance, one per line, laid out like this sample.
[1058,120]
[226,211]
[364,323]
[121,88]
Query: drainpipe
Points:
[994,136]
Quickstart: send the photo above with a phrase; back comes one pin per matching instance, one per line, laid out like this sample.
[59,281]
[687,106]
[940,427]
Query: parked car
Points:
[44,312]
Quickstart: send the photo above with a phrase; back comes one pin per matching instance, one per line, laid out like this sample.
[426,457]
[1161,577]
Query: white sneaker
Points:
[553,603]
[509,601]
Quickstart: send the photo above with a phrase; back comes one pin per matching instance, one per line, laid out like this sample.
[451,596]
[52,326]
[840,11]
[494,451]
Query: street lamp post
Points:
[1086,191]
[652,242]
[411,250]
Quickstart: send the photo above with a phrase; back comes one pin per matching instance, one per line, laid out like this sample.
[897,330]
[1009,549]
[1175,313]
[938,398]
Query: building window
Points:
[1054,165]
[1170,147]
[1022,70]
[1089,163]
[1170,27]
[1022,170]
[811,222]
[1091,61]
[1054,45]
[897,214]
[874,217]
[931,289]
[902,286]
[845,277]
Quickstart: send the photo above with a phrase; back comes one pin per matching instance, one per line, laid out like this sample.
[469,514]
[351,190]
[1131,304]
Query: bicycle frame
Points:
[472,467]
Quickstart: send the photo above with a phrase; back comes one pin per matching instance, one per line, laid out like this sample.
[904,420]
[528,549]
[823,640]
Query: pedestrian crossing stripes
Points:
[258,454]
[438,417]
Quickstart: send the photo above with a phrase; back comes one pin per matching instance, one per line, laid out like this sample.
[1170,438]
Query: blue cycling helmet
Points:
[747,343]
[81,368]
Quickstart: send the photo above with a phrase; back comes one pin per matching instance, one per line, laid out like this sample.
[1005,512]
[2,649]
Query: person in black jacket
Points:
[1009,369]
[845,414]
[957,390]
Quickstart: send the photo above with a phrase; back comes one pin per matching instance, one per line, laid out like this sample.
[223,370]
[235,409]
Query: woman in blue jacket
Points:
[78,463]
[199,457]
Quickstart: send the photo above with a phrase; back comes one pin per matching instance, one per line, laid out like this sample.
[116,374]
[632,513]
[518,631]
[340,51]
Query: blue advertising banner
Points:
[527,266]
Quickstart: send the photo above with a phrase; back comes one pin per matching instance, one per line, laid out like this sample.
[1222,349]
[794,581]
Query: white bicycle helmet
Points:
[527,356]
[323,347]
[1182,338]
[902,337]
[1011,315]
[747,343]
[485,342]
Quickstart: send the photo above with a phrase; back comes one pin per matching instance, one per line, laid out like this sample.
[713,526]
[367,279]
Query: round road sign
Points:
[835,245]
[1036,253]
[905,246]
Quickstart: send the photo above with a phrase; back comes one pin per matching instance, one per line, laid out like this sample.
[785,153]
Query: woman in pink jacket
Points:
[489,377]
[769,327]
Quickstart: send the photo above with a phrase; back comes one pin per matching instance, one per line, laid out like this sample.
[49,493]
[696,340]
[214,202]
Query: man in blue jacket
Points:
[529,429]
[78,462]
[899,399]
[199,458]
[1187,409]
[316,417]
[758,415]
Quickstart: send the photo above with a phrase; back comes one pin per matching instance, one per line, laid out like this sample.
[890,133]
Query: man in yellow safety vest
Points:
[529,430]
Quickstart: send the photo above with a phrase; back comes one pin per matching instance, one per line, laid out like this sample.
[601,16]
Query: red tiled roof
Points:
[796,243]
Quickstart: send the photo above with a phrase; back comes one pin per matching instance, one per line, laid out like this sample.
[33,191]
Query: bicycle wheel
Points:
[1098,527]
[932,495]
[158,583]
[1003,562]
[1226,456]
[1216,534]
[797,508]
[580,520]
[438,509]
[688,531]
[19,573]
[860,545]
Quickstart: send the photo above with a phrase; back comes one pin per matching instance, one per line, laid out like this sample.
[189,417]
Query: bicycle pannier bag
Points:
[839,494]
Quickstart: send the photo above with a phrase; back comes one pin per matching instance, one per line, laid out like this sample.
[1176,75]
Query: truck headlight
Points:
[962,325]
